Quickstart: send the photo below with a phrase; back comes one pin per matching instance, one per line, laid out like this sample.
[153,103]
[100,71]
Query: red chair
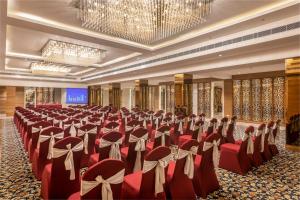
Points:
[59,120]
[109,127]
[157,118]
[43,153]
[222,129]
[272,138]
[61,178]
[134,153]
[177,130]
[35,132]
[265,150]
[108,147]
[211,128]
[131,126]
[236,157]
[161,138]
[181,174]
[88,134]
[102,181]
[28,130]
[71,127]
[190,124]
[230,131]
[149,183]
[205,180]
[257,159]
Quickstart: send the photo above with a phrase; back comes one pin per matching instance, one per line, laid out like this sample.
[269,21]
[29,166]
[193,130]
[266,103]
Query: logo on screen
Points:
[77,96]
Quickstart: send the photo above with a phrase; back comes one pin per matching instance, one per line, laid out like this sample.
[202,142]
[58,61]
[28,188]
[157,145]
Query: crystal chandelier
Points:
[144,21]
[49,68]
[73,54]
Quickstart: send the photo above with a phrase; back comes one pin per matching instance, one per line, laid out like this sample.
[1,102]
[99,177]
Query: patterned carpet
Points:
[277,179]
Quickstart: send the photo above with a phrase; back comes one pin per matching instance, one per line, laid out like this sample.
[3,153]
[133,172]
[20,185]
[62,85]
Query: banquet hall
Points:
[141,99]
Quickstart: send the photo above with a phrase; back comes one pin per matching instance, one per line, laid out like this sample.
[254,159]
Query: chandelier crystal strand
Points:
[144,21]
[49,67]
[58,51]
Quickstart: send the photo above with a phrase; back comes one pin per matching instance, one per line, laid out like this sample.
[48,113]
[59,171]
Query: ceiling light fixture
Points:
[49,68]
[143,21]
[73,54]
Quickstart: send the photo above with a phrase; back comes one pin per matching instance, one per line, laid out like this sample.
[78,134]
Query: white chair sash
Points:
[271,138]
[224,128]
[192,125]
[106,191]
[36,130]
[162,136]
[214,145]
[108,130]
[180,127]
[114,152]
[250,145]
[159,165]
[262,141]
[189,162]
[139,147]
[51,137]
[72,129]
[200,131]
[86,137]
[29,123]
[69,161]
[131,128]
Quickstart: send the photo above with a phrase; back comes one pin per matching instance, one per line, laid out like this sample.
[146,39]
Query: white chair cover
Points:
[108,130]
[189,162]
[72,129]
[69,161]
[114,152]
[215,144]
[139,147]
[51,137]
[262,141]
[159,165]
[162,136]
[131,128]
[250,145]
[86,137]
[106,191]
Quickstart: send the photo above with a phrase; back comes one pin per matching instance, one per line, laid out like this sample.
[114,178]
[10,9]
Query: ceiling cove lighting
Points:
[143,21]
[73,54]
[49,68]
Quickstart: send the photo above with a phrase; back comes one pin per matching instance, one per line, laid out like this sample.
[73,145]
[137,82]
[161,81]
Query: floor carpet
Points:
[277,179]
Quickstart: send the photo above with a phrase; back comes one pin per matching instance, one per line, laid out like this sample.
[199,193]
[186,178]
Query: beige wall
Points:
[10,97]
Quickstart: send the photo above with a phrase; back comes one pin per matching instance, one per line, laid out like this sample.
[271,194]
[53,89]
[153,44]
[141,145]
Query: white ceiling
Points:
[29,24]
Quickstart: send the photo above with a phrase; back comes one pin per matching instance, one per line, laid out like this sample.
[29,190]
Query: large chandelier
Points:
[49,68]
[73,54]
[144,21]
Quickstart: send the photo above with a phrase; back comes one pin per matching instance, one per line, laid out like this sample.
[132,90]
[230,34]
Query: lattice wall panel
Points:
[278,98]
[256,100]
[246,106]
[267,98]
[201,98]
[207,99]
[237,98]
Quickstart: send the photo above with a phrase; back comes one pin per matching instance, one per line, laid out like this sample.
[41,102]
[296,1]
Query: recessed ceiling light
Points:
[220,55]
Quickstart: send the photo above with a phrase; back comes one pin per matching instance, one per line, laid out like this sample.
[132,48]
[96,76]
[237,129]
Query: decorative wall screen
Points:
[259,99]
[204,98]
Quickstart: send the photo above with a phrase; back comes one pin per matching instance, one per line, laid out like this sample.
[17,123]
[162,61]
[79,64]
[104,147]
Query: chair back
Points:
[35,132]
[109,170]
[88,134]
[162,137]
[155,163]
[109,146]
[65,173]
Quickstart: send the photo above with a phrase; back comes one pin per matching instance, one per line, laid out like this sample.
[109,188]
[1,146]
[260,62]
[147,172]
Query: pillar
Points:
[183,92]
[115,95]
[142,94]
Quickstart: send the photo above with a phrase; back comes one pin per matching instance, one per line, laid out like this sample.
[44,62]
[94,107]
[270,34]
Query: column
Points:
[183,92]
[142,94]
[115,95]
[292,99]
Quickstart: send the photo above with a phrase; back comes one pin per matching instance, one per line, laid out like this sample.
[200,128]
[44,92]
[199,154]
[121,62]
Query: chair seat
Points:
[198,160]
[124,151]
[149,146]
[94,158]
[184,138]
[75,196]
[132,185]
[230,147]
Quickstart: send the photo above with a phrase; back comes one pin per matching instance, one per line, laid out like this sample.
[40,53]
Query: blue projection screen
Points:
[77,96]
